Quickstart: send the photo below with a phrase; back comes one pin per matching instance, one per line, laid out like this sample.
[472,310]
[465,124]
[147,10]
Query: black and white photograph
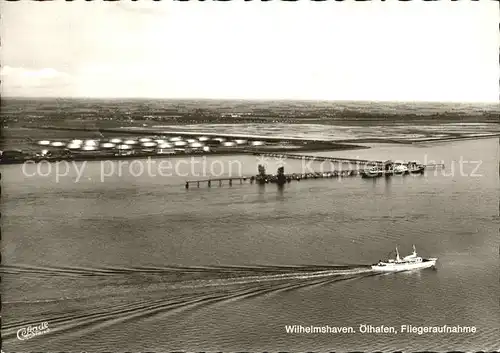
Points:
[250,176]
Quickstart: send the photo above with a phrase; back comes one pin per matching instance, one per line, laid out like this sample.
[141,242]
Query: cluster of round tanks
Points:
[147,142]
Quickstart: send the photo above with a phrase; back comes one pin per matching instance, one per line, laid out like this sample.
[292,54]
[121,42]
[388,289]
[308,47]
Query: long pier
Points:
[319,158]
[271,178]
[215,180]
[281,178]
[333,159]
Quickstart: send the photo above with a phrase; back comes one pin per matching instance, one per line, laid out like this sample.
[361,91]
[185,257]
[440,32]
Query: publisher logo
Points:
[31,331]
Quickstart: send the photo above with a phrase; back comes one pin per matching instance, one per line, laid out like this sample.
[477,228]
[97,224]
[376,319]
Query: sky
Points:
[384,51]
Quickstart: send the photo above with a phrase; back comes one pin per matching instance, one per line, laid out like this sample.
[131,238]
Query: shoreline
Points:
[126,131]
[273,144]
[459,138]
[137,130]
[339,147]
[101,157]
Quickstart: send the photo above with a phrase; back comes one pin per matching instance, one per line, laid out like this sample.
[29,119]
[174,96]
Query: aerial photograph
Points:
[250,176]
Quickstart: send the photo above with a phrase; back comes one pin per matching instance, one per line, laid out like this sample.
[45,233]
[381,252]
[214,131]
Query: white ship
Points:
[410,262]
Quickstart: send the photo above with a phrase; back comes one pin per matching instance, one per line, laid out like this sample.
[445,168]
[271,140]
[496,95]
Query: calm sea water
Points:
[133,263]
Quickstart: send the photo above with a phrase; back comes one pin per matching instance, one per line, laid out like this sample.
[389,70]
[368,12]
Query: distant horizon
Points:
[255,100]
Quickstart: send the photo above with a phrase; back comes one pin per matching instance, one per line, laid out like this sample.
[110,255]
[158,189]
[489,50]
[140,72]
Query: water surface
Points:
[140,263]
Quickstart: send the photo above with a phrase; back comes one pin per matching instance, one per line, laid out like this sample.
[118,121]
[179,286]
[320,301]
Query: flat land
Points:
[281,126]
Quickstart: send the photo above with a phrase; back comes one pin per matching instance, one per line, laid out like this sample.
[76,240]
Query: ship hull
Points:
[371,174]
[417,171]
[397,267]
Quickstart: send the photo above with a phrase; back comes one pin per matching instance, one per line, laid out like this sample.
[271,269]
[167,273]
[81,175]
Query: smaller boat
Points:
[415,168]
[400,169]
[410,262]
[373,172]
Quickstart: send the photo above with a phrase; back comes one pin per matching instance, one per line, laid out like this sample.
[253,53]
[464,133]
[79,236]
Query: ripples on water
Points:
[187,288]
[146,265]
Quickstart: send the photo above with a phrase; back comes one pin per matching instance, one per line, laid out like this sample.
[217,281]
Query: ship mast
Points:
[397,255]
